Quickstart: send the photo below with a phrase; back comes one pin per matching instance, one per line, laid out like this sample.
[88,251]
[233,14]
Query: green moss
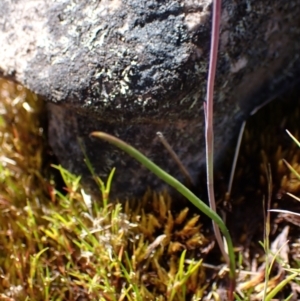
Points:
[62,245]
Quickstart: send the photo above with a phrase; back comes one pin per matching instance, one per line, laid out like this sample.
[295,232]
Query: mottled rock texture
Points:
[135,67]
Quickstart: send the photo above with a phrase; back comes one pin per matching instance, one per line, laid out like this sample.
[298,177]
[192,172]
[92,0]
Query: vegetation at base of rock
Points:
[188,194]
[62,245]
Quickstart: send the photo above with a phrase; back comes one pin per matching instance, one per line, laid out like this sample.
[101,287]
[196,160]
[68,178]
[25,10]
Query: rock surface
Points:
[135,67]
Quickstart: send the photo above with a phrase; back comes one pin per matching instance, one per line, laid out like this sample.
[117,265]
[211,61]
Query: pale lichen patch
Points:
[193,20]
[238,65]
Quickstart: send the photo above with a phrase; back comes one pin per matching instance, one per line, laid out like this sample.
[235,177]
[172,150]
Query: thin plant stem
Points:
[175,158]
[294,138]
[208,109]
[235,158]
[267,230]
[238,145]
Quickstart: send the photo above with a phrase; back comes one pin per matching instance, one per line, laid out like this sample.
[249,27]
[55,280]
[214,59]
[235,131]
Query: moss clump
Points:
[163,238]
[22,142]
[61,245]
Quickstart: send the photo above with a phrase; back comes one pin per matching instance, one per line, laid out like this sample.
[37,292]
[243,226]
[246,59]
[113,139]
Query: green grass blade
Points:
[291,169]
[293,137]
[279,287]
[289,297]
[178,186]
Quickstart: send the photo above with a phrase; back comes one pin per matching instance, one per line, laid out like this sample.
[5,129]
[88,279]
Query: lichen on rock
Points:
[135,67]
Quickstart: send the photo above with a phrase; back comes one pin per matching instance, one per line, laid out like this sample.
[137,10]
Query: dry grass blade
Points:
[176,158]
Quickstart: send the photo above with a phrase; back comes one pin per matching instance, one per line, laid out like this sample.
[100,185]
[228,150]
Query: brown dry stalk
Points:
[208,110]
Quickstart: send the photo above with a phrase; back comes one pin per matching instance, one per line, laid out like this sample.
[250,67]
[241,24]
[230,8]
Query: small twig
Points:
[208,109]
[238,145]
[175,157]
[235,158]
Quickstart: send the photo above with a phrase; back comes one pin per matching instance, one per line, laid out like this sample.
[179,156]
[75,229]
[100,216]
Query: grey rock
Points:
[135,67]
